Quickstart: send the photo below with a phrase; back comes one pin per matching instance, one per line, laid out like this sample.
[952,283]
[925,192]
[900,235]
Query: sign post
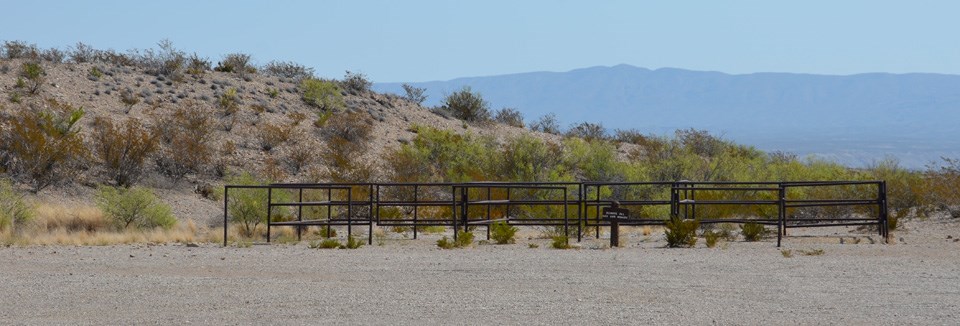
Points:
[614,214]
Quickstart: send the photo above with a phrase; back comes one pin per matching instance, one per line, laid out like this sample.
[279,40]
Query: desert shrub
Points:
[526,158]
[510,117]
[356,83]
[53,55]
[503,233]
[347,137]
[82,53]
[123,149]
[300,155]
[272,135]
[712,237]
[167,60]
[414,94]
[129,98]
[34,76]
[588,131]
[681,233]
[560,242]
[467,105]
[227,101]
[14,211]
[328,243]
[197,66]
[134,206]
[18,50]
[288,69]
[44,146]
[547,124]
[95,73]
[352,243]
[185,136]
[753,231]
[445,243]
[237,63]
[322,94]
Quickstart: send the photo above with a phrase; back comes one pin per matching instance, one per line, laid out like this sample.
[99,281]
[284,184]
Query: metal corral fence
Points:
[569,205]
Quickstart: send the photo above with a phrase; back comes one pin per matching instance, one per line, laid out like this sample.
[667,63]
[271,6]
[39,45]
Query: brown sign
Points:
[615,214]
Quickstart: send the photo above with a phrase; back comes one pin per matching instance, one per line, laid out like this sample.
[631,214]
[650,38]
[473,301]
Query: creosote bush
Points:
[467,105]
[588,131]
[288,69]
[753,231]
[272,135]
[136,206]
[123,149]
[356,83]
[34,75]
[237,63]
[414,94]
[44,146]
[547,124]
[510,117]
[184,134]
[322,94]
[681,233]
[502,233]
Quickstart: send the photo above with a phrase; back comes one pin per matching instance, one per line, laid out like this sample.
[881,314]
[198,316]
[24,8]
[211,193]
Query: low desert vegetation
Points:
[44,146]
[753,231]
[467,105]
[464,239]
[503,233]
[135,207]
[681,233]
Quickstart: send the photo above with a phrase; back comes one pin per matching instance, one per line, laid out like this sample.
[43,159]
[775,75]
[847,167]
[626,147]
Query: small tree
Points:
[414,94]
[467,105]
[135,206]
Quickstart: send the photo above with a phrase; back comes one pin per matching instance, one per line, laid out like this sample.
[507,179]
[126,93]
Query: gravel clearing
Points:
[915,280]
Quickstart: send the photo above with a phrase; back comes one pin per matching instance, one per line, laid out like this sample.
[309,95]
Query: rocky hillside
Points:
[256,122]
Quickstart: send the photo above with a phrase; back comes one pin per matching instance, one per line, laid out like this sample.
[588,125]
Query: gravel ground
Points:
[915,280]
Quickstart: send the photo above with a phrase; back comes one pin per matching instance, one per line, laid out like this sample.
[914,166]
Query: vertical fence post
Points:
[453,210]
[226,195]
[300,214]
[349,212]
[884,224]
[370,216]
[566,217]
[269,210]
[580,219]
[781,213]
[416,208]
[489,202]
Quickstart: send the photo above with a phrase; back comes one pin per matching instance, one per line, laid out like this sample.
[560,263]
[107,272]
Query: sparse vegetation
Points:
[588,131]
[14,211]
[352,243]
[184,135]
[328,243]
[510,117]
[711,237]
[546,124]
[136,207]
[464,239]
[227,101]
[288,69]
[356,83]
[560,242]
[237,63]
[34,77]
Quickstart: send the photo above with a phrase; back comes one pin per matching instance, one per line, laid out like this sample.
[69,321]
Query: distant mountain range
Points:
[855,119]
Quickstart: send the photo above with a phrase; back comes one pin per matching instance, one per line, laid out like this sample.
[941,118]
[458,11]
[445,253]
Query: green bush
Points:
[237,63]
[467,105]
[464,239]
[247,206]
[445,243]
[502,233]
[681,233]
[14,211]
[227,101]
[753,231]
[44,146]
[35,76]
[322,94]
[561,242]
[123,149]
[134,206]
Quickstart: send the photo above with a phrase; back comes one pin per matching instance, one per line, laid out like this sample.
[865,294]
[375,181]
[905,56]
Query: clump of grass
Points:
[533,246]
[328,243]
[753,231]
[464,239]
[352,243]
[681,233]
[503,233]
[561,242]
[786,253]
[432,229]
[712,237]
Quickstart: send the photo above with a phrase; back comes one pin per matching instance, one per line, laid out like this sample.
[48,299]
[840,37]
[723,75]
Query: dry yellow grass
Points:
[81,225]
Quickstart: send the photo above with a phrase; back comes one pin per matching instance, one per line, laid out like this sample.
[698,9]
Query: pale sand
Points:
[913,281]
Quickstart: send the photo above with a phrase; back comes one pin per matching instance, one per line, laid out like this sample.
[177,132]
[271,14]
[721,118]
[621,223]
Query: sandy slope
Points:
[916,280]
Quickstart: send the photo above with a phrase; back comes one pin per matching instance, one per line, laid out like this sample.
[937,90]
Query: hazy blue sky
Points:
[438,40]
